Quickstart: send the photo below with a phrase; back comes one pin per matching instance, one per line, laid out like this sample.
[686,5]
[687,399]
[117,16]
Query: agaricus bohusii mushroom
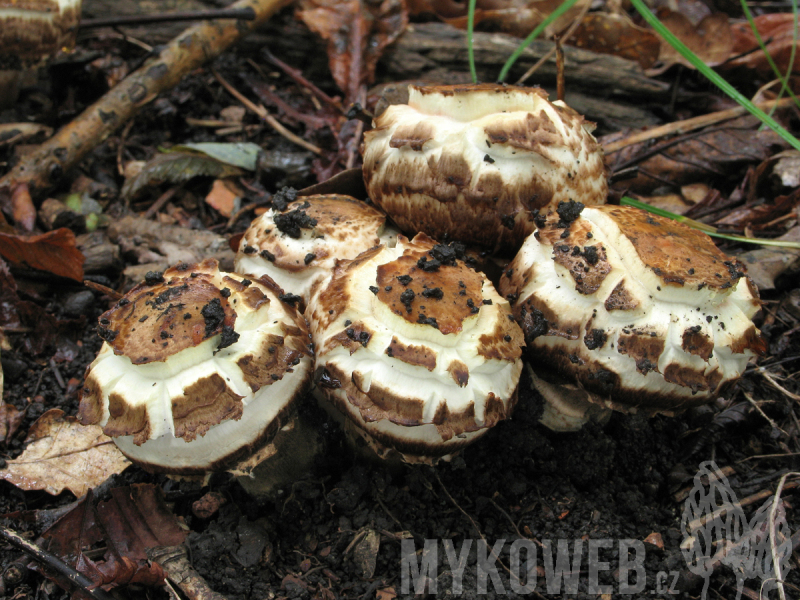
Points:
[417,349]
[30,32]
[644,313]
[471,162]
[199,369]
[298,243]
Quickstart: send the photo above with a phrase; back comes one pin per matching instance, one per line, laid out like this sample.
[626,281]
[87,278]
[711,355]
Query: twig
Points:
[53,562]
[198,44]
[679,127]
[755,405]
[302,81]
[264,114]
[772,533]
[760,456]
[567,34]
[775,384]
[161,201]
[245,14]
[99,287]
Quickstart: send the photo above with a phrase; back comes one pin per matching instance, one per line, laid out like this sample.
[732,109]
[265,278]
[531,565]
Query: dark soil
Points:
[337,531]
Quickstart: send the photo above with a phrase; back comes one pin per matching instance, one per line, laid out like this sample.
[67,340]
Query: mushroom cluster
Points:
[298,240]
[416,351]
[471,162]
[644,313]
[199,369]
[416,348]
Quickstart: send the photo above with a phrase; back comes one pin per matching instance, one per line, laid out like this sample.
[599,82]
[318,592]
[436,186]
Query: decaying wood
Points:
[156,246]
[195,46]
[605,88]
[101,256]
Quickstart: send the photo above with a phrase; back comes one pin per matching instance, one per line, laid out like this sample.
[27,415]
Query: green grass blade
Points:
[564,7]
[470,42]
[784,79]
[708,229]
[627,200]
[709,73]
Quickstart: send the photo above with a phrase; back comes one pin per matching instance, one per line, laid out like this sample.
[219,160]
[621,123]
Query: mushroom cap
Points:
[199,368]
[31,30]
[645,313]
[416,348]
[472,161]
[300,249]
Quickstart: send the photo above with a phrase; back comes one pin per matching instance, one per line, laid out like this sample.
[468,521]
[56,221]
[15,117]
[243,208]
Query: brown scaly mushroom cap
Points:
[297,244]
[198,369]
[31,30]
[645,313]
[416,348]
[472,161]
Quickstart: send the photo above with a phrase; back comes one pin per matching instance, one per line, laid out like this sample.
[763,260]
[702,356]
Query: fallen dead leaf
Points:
[357,32]
[385,594]
[54,252]
[608,33]
[63,454]
[787,169]
[711,40]
[777,32]
[10,416]
[134,520]
[225,196]
[718,153]
[365,554]
[655,539]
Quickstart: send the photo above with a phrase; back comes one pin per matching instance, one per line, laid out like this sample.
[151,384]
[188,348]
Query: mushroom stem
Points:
[292,453]
[567,407]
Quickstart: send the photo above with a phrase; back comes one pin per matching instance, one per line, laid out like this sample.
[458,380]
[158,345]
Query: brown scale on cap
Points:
[412,354]
[122,420]
[460,287]
[678,254]
[643,348]
[158,321]
[575,249]
[620,299]
[205,403]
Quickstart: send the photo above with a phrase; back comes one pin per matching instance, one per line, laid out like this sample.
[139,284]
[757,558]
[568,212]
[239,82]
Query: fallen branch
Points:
[200,43]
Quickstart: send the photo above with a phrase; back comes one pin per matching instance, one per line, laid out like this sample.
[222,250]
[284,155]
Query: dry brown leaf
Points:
[135,519]
[608,33]
[711,40]
[54,252]
[357,32]
[777,32]
[223,196]
[10,417]
[385,594]
[719,153]
[63,454]
[516,17]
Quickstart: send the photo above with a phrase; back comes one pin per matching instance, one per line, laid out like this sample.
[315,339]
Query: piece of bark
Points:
[175,562]
[428,46]
[607,89]
[161,246]
[192,48]
[102,256]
